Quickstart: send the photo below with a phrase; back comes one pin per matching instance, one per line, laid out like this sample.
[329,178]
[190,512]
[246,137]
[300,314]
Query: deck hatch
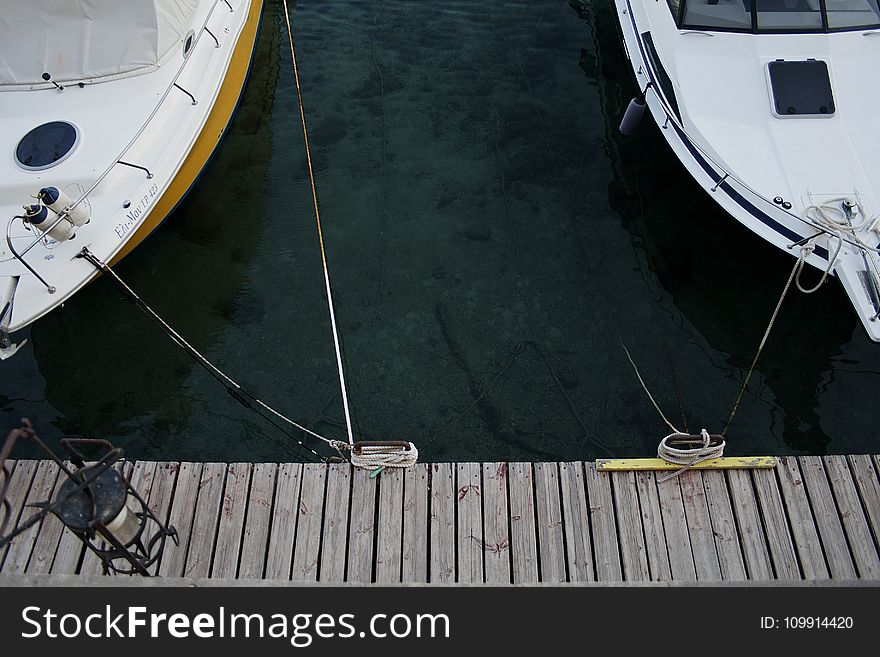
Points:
[46,145]
[800,88]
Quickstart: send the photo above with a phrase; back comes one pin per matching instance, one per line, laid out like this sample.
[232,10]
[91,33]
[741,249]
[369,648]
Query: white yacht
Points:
[769,104]
[110,110]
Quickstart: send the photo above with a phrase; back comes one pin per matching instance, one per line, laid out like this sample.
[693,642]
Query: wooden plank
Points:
[496,542]
[159,501]
[652,524]
[866,480]
[603,525]
[48,539]
[182,514]
[548,518]
[803,527]
[361,530]
[751,530]
[415,524]
[68,555]
[442,567]
[256,525]
[657,464]
[827,518]
[16,494]
[855,524]
[307,549]
[6,522]
[469,507]
[633,553]
[389,531]
[19,551]
[576,514]
[232,514]
[140,475]
[205,520]
[699,523]
[730,557]
[335,534]
[782,552]
[523,538]
[285,510]
[678,540]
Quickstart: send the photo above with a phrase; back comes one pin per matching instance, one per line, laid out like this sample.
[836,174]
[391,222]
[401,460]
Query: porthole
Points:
[46,145]
[188,43]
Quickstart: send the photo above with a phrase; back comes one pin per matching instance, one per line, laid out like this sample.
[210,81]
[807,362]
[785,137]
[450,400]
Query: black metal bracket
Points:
[136,166]
[216,42]
[191,97]
[718,184]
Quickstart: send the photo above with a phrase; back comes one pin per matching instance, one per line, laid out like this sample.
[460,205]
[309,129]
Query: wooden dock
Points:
[810,518]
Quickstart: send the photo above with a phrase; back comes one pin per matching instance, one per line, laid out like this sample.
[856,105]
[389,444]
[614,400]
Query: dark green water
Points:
[491,241]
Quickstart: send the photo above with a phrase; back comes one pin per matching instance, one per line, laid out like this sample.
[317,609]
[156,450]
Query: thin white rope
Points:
[808,249]
[336,345]
[645,388]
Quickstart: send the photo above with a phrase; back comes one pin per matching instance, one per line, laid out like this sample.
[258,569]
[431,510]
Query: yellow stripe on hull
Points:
[725,463]
[211,133]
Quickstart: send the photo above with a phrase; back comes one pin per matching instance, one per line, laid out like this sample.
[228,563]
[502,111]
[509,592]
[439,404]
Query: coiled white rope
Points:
[687,458]
[832,216]
[835,217]
[384,455]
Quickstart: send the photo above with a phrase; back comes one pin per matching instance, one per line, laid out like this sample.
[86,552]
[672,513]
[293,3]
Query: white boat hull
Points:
[145,139]
[765,186]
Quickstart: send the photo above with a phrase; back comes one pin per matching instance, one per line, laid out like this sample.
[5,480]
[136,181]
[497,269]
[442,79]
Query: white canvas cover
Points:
[87,40]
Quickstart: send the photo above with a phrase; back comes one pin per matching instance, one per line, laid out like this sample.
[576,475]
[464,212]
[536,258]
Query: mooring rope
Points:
[241,395]
[798,265]
[687,457]
[302,116]
[645,388]
[376,455]
[806,250]
[705,449]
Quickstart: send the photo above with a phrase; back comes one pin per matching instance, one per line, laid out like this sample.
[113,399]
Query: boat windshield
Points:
[776,15]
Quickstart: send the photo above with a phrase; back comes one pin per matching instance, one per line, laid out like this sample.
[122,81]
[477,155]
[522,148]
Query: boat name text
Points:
[136,213]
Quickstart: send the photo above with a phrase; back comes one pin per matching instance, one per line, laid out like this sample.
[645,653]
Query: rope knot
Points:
[706,438]
[807,249]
